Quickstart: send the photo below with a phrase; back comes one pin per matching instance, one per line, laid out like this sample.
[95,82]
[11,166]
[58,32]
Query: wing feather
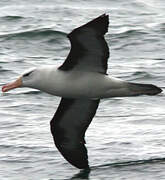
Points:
[68,128]
[89,50]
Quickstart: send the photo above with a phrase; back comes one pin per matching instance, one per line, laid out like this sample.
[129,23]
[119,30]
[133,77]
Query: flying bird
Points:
[81,81]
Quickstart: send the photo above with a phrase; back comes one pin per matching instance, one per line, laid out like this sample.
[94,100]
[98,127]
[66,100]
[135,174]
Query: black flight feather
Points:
[89,50]
[68,128]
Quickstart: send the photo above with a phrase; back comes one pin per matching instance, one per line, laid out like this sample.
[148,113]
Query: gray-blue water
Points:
[126,139]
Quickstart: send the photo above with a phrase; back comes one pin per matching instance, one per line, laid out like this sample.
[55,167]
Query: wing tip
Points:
[100,24]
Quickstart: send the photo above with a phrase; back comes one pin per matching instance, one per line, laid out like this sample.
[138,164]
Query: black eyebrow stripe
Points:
[27,74]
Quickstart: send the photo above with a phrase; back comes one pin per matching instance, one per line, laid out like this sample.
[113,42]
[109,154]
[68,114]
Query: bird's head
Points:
[26,80]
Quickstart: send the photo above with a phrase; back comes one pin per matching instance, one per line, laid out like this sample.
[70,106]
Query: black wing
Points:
[89,50]
[68,127]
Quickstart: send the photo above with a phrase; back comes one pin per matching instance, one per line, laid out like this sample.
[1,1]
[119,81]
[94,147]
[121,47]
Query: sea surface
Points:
[126,139]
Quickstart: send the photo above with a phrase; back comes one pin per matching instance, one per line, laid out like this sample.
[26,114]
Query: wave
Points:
[130,163]
[142,75]
[21,146]
[4,70]
[129,33]
[11,18]
[36,33]
[84,174]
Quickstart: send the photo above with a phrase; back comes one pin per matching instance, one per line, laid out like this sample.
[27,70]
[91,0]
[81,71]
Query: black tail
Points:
[143,89]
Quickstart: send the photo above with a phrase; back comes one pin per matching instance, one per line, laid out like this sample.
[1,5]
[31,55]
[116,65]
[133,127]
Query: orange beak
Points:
[13,85]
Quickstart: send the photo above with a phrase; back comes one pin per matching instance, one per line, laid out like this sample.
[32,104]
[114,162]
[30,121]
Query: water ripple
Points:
[131,163]
[37,33]
[12,18]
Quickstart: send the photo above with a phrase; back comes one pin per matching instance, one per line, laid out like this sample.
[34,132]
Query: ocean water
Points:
[126,139]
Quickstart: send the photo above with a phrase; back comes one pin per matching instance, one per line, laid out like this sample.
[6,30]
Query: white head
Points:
[28,79]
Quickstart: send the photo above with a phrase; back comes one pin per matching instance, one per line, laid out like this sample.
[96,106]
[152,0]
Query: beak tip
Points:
[4,89]
[12,85]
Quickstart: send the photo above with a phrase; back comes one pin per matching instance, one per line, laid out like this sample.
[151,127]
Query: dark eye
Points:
[27,74]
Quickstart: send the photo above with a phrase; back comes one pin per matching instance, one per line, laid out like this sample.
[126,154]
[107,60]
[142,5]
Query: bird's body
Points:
[78,84]
[81,81]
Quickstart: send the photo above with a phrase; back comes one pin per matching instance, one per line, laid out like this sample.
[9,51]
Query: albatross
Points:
[81,81]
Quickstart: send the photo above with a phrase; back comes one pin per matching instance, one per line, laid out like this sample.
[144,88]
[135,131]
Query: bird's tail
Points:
[136,89]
